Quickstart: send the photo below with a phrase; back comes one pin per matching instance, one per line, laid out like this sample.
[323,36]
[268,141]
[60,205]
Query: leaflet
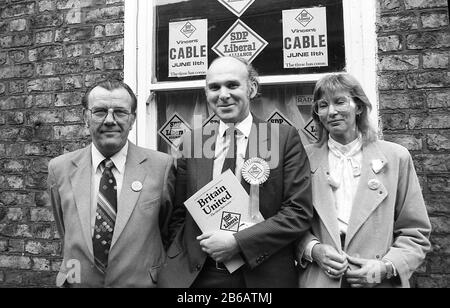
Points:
[222,204]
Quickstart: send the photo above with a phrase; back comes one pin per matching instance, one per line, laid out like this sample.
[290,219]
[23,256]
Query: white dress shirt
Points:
[119,159]
[345,172]
[223,142]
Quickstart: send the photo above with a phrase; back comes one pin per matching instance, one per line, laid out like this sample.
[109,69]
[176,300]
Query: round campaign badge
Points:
[136,186]
[255,171]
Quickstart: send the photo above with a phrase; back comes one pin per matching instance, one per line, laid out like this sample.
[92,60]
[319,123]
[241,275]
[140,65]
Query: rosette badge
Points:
[255,171]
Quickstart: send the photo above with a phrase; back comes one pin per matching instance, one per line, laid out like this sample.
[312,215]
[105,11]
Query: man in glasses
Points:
[111,200]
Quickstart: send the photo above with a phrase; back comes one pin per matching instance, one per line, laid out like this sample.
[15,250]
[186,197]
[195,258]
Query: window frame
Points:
[139,62]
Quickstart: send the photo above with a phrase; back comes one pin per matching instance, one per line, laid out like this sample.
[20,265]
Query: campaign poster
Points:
[240,41]
[237,7]
[188,48]
[305,38]
[173,130]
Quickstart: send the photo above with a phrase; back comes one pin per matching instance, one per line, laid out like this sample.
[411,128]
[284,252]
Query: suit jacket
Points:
[137,250]
[388,219]
[285,202]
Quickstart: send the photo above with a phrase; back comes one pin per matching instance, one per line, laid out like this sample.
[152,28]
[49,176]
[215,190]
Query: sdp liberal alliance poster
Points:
[305,38]
[188,48]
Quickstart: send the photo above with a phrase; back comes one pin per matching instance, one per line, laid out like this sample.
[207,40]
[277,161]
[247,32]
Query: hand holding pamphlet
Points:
[222,204]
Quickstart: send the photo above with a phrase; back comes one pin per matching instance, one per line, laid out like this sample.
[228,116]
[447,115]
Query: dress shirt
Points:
[345,169]
[223,142]
[119,159]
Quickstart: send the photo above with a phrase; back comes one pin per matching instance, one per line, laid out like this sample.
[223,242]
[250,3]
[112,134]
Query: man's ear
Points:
[85,117]
[253,89]
[133,121]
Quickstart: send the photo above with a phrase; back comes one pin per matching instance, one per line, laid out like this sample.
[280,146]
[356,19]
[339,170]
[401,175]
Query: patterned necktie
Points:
[230,159]
[106,216]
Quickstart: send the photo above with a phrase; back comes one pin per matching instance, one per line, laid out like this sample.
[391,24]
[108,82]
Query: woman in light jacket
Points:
[371,226]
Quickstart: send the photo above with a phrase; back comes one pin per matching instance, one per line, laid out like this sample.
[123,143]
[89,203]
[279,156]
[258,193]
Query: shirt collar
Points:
[244,126]
[119,159]
[344,149]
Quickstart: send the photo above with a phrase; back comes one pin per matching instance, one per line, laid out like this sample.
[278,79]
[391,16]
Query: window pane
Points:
[263,16]
[291,103]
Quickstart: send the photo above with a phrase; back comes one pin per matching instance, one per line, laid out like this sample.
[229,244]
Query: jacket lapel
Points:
[371,191]
[322,193]
[128,197]
[80,179]
[204,166]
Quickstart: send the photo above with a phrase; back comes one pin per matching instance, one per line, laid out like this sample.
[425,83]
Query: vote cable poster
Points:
[305,38]
[188,48]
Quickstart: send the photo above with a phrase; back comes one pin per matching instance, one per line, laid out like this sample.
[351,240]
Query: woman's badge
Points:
[377,165]
[374,184]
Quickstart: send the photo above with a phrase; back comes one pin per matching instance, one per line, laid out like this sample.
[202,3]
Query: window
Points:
[286,92]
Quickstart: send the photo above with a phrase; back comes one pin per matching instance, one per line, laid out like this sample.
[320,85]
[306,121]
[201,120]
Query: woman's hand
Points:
[330,260]
[369,274]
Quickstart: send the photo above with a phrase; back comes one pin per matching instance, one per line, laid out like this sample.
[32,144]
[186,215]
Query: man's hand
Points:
[369,274]
[219,245]
[330,260]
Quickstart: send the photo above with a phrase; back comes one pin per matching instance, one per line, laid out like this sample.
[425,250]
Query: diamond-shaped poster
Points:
[310,128]
[278,118]
[173,130]
[240,41]
[237,7]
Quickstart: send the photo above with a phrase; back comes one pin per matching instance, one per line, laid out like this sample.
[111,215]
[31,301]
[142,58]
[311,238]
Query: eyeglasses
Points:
[100,114]
[321,107]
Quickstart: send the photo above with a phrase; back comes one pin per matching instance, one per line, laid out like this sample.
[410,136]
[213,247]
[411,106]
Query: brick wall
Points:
[50,51]
[414,85]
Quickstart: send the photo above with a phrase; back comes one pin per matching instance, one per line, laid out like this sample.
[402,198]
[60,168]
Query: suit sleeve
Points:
[55,200]
[412,227]
[302,243]
[167,201]
[292,220]
[179,211]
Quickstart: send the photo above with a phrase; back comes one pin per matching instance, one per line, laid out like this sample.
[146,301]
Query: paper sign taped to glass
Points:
[222,204]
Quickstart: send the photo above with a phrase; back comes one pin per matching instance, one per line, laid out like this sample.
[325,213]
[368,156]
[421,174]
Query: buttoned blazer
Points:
[388,219]
[137,249]
[285,202]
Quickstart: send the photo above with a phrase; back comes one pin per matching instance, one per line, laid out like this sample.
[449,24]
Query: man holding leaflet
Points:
[195,259]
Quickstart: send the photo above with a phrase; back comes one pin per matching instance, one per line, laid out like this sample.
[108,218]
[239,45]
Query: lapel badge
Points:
[377,165]
[255,171]
[374,184]
[136,186]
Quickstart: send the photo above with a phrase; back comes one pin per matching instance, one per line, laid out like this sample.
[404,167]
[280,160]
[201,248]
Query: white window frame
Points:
[140,42]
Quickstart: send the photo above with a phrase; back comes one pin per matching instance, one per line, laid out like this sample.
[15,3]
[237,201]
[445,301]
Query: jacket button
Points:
[377,256]
[198,267]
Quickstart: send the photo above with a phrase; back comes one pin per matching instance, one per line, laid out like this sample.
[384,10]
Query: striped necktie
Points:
[105,216]
[230,159]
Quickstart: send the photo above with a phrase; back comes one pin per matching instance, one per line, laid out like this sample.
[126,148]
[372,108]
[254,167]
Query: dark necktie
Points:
[105,216]
[230,159]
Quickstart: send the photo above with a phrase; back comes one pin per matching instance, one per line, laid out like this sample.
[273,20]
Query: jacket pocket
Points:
[153,272]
